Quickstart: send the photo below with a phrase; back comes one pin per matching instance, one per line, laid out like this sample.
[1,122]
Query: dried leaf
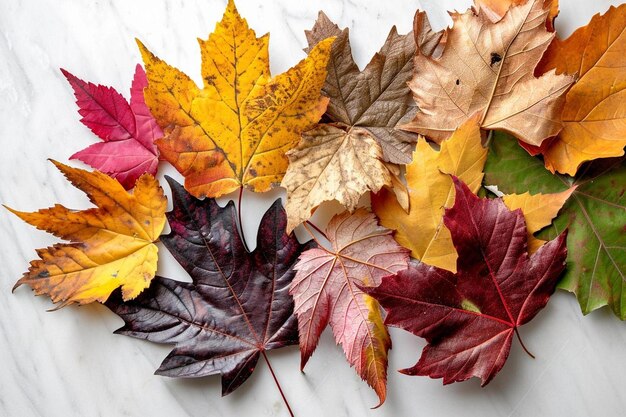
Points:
[487,68]
[344,159]
[595,215]
[325,291]
[128,131]
[237,306]
[332,164]
[429,42]
[469,318]
[111,246]
[234,131]
[377,99]
[594,115]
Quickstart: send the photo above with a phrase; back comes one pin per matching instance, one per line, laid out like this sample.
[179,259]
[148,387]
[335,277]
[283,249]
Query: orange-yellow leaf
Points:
[235,130]
[538,210]
[594,116]
[111,246]
[430,191]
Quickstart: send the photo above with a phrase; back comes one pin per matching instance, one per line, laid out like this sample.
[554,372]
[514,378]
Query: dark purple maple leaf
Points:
[238,305]
[127,130]
[469,318]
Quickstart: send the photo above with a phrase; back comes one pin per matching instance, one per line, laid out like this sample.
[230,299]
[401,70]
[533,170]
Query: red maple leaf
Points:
[127,130]
[469,318]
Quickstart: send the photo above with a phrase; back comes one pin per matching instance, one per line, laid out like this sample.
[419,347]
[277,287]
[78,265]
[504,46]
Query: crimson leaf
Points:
[469,318]
[238,305]
[127,130]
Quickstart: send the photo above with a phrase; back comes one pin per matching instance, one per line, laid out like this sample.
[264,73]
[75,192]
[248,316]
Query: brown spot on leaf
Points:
[495,58]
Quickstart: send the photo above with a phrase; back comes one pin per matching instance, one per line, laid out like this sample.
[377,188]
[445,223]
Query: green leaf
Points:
[595,215]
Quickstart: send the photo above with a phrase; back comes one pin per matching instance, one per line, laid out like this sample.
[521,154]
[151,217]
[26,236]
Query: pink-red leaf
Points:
[128,131]
[469,318]
[326,291]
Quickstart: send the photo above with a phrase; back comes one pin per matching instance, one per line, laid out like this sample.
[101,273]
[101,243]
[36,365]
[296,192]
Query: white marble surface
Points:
[68,363]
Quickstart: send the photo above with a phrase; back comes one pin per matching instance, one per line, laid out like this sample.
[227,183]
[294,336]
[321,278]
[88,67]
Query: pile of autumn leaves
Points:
[461,271]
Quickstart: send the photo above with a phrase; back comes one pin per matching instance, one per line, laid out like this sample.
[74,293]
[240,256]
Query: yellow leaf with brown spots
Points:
[110,246]
[431,190]
[539,210]
[235,130]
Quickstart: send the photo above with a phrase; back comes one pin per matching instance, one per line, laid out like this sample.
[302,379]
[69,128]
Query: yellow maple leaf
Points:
[234,131]
[594,116]
[111,246]
[539,210]
[431,190]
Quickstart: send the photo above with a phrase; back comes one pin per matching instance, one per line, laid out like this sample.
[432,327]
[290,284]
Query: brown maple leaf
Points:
[377,99]
[345,158]
[428,42]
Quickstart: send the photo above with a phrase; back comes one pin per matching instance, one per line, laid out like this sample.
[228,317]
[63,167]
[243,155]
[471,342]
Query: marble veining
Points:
[68,363]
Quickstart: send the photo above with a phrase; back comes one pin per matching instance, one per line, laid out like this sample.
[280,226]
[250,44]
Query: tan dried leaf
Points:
[487,68]
[429,42]
[332,164]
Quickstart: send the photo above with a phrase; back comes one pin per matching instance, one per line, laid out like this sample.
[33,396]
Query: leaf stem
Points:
[313,236]
[317,229]
[243,237]
[282,394]
[489,139]
[522,343]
